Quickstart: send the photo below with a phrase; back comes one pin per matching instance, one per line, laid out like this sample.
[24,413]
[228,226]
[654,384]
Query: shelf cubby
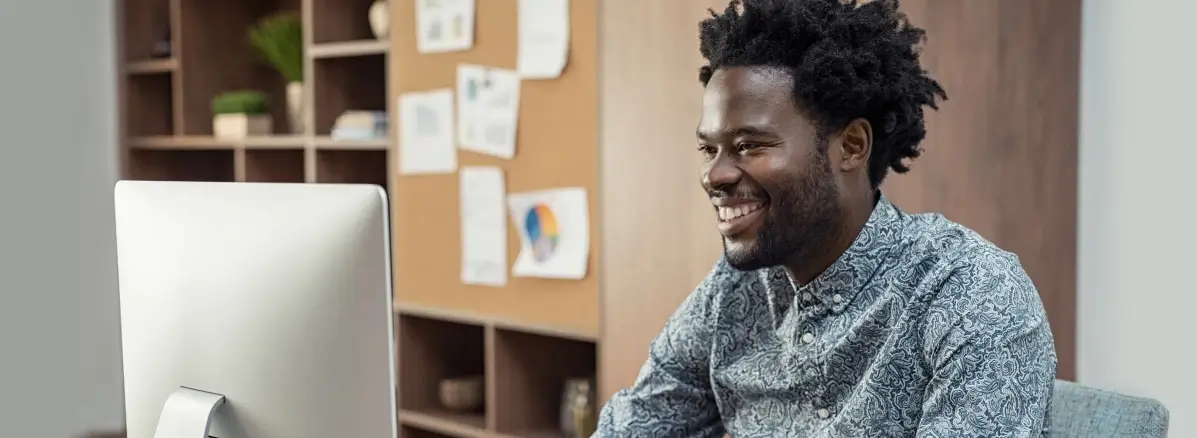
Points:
[215,53]
[530,371]
[431,350]
[274,165]
[347,83]
[181,165]
[150,105]
[351,167]
[341,20]
[406,431]
[146,25]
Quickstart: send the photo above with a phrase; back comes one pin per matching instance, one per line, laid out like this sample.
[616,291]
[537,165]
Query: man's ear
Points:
[856,143]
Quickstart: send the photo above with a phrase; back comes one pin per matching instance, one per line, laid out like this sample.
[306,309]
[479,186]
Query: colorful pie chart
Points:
[541,226]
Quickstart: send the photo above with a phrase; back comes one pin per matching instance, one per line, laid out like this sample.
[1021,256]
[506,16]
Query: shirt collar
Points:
[851,272]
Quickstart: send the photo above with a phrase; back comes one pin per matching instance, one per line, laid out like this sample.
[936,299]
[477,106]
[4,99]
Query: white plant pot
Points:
[380,19]
[295,111]
[240,126]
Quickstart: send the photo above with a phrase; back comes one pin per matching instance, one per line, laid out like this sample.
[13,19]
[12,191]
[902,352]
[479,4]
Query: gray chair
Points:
[1084,412]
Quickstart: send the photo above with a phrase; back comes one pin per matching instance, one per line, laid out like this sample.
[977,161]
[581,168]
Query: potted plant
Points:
[239,114]
[278,41]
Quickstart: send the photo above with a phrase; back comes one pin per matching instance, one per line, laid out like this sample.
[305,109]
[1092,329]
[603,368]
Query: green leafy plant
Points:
[278,40]
[241,102]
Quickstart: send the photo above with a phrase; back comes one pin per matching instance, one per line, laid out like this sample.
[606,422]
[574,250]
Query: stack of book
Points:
[360,125]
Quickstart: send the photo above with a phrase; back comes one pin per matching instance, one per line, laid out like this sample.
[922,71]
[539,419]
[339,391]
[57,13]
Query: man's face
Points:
[766,169]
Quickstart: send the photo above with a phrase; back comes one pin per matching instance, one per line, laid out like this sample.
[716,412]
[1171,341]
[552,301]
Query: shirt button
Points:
[806,296]
[824,413]
[808,338]
[837,298]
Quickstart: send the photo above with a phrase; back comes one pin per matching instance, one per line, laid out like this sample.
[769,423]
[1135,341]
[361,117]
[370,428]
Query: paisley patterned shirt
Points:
[921,329]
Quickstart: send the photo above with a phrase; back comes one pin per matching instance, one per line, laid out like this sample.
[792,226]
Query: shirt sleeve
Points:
[672,397]
[991,352]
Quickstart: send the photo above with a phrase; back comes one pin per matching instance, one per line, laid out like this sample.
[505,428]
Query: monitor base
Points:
[187,413]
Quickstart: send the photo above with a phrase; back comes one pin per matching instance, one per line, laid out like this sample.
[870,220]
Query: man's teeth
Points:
[729,213]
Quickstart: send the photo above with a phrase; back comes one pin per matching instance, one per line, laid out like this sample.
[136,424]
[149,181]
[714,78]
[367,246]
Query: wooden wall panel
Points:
[659,236]
[1001,155]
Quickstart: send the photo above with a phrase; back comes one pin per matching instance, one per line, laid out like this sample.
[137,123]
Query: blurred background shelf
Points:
[180,54]
[274,165]
[355,83]
[192,142]
[357,145]
[349,48]
[181,165]
[152,66]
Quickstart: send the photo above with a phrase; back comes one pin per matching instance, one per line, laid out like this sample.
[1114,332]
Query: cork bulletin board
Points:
[556,146]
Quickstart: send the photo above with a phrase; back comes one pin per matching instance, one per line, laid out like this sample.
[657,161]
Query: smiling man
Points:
[833,313]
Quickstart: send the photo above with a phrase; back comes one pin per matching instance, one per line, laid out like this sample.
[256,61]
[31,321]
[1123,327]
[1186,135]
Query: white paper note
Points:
[543,38]
[554,228]
[488,107]
[444,25]
[483,226]
[426,132]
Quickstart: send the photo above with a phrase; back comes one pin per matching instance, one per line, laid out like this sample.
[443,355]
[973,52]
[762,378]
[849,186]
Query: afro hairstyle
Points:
[848,59]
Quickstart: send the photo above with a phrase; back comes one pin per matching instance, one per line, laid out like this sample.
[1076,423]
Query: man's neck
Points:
[806,268]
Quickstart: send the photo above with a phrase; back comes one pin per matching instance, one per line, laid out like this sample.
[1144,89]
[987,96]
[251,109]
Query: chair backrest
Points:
[1080,411]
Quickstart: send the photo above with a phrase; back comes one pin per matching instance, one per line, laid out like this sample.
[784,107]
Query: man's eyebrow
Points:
[742,131]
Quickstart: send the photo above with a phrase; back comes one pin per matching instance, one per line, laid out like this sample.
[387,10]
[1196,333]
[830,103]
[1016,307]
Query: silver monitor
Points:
[264,308]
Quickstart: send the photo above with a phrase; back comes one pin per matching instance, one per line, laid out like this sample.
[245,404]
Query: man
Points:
[833,313]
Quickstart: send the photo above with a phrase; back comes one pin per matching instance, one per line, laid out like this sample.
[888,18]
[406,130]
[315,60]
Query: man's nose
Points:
[723,171]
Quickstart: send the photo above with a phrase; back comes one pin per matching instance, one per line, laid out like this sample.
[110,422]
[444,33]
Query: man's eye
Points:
[708,151]
[745,147]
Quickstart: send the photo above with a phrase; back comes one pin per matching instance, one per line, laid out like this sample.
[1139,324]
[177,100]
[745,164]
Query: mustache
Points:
[736,194]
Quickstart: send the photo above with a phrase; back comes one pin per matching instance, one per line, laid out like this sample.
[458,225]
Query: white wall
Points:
[59,335]
[1138,220]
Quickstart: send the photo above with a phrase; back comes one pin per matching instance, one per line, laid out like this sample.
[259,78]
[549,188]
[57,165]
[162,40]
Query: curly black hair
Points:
[848,59]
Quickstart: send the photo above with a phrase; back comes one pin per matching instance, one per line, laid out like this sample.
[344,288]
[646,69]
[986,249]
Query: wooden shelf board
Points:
[461,425]
[466,317]
[327,143]
[178,142]
[152,66]
[349,48]
[531,434]
[202,142]
[273,142]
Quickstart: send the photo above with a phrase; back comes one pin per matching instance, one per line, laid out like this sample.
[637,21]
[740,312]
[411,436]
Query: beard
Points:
[801,216]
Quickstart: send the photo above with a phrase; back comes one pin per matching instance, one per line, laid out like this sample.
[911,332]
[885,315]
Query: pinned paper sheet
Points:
[488,107]
[543,38]
[554,228]
[483,226]
[426,132]
[444,25]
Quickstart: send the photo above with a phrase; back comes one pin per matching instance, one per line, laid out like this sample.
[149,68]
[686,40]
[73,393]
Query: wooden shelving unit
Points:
[523,365]
[167,119]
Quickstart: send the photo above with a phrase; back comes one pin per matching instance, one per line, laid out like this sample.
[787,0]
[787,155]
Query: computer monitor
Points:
[266,307]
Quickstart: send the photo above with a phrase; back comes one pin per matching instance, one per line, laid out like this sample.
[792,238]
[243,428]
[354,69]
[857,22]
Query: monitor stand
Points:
[187,413]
